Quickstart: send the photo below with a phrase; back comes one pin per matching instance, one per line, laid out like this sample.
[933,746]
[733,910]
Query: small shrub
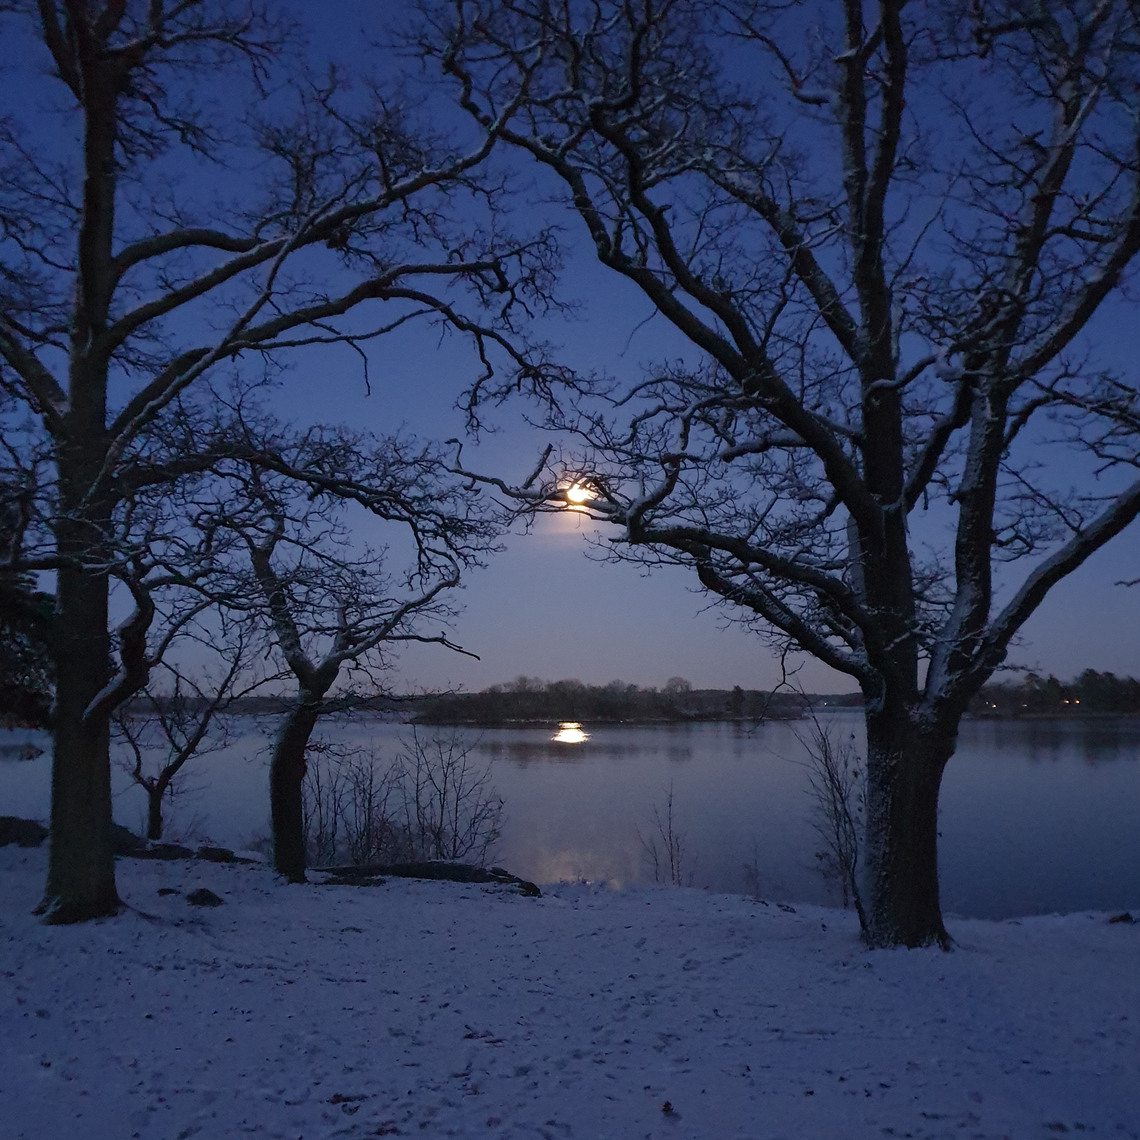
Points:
[433,801]
[666,848]
[836,785]
[750,873]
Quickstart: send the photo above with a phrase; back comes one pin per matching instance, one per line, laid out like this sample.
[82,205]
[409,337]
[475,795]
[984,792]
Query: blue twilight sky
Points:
[547,605]
[542,607]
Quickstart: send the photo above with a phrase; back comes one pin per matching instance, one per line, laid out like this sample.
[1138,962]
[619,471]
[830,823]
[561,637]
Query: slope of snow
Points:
[439,1009]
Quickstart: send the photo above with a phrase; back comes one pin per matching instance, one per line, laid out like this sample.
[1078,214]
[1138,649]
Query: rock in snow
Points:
[437,1009]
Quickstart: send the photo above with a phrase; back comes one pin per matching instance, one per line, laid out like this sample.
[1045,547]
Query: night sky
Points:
[551,606]
[548,606]
[543,607]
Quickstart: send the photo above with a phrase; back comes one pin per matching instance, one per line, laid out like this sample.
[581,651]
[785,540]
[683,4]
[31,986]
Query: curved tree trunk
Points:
[81,865]
[905,762]
[286,787]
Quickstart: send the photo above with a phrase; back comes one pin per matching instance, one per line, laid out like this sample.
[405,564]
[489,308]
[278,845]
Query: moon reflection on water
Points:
[570,732]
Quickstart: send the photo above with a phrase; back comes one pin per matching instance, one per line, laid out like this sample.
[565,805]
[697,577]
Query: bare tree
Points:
[879,234]
[333,608]
[185,717]
[155,232]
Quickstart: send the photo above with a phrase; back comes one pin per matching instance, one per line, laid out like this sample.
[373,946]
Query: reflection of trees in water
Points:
[1110,740]
[1096,740]
[531,751]
[527,752]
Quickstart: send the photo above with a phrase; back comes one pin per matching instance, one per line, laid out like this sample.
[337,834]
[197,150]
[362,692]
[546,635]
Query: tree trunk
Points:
[81,865]
[905,762]
[286,785]
[154,796]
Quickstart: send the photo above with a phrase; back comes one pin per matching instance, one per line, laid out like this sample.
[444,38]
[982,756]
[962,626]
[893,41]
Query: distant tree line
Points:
[25,695]
[1092,692]
[530,699]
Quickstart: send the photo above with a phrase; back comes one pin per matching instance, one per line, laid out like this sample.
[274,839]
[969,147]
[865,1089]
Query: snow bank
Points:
[440,1009]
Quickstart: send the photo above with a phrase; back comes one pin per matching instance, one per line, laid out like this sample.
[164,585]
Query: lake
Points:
[1037,816]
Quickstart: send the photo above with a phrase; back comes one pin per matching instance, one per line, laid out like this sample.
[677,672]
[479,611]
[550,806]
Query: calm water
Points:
[1036,816]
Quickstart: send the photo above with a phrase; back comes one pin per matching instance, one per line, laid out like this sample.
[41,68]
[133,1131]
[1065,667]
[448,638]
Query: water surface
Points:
[1036,817]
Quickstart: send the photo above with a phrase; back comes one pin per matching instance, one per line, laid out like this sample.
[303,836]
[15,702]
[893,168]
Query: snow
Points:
[944,370]
[439,1009]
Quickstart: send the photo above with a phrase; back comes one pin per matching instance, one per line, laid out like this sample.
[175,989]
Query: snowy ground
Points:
[439,1009]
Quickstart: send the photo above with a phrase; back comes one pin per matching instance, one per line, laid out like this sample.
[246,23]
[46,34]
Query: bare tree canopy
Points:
[333,609]
[883,235]
[164,239]
[181,714]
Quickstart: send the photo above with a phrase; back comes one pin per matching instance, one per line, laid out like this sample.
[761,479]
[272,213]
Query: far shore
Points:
[271,708]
